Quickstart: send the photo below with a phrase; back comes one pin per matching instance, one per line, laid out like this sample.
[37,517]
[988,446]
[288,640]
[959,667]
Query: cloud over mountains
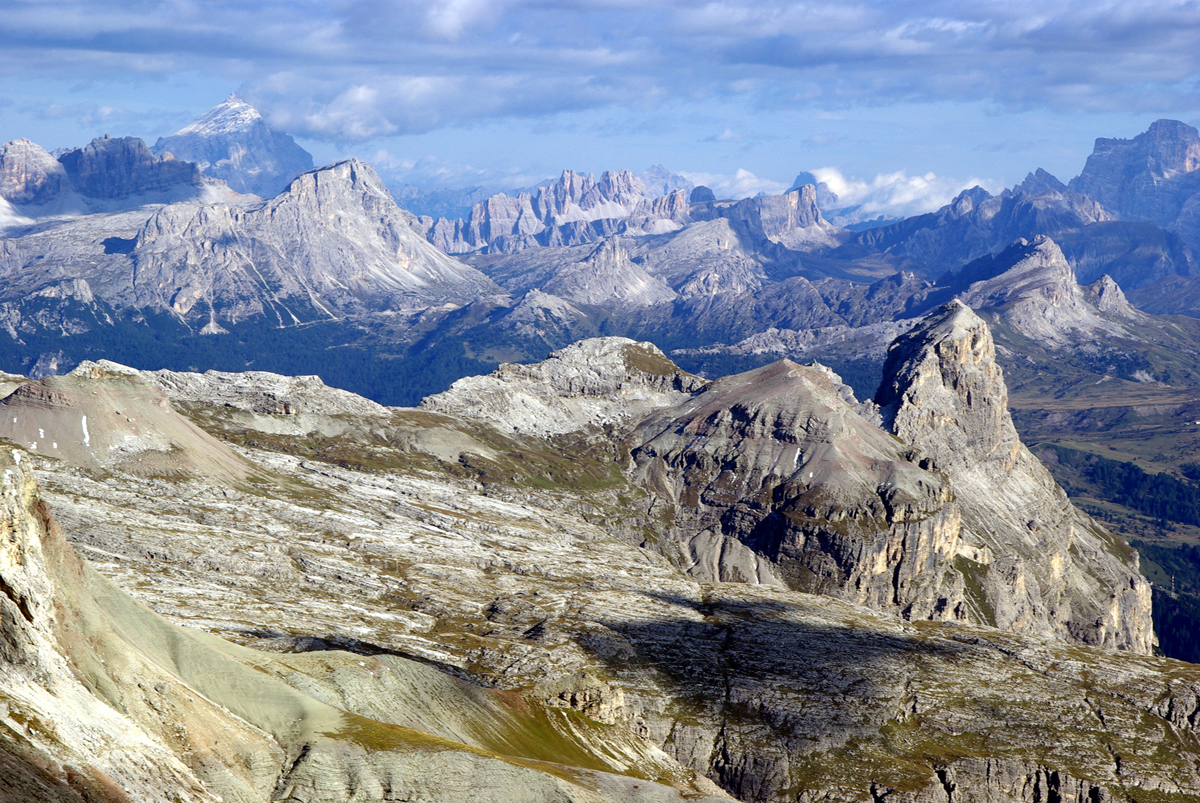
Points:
[360,69]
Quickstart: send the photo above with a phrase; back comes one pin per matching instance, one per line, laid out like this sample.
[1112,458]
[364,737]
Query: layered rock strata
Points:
[1033,562]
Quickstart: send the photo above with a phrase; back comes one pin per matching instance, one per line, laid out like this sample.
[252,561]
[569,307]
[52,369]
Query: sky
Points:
[899,105]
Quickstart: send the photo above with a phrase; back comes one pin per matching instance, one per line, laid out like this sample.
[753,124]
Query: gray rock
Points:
[30,175]
[1033,561]
[233,143]
[590,385]
[113,169]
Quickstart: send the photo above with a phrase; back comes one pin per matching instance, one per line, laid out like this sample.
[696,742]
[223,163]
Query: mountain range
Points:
[597,577]
[311,498]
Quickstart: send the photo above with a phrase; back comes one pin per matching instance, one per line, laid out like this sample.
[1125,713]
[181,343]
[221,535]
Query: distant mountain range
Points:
[111,250]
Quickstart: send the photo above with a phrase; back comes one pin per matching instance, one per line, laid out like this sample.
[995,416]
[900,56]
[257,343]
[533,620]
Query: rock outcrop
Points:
[577,651]
[589,385]
[116,168]
[1032,561]
[773,476]
[101,699]
[333,244]
[580,209]
[107,416]
[30,175]
[1149,177]
[1035,288]
[232,142]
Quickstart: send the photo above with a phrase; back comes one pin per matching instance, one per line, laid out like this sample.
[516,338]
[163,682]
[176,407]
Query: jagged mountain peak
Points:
[1042,566]
[1040,181]
[1036,288]
[234,143]
[232,114]
[1106,295]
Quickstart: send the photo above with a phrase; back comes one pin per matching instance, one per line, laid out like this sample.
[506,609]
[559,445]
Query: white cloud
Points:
[742,184]
[447,19]
[366,67]
[897,194]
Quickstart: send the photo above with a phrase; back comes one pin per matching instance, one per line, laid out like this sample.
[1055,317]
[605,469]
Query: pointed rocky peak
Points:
[1025,267]
[784,423]
[234,114]
[117,168]
[1106,295]
[30,175]
[967,200]
[234,143]
[944,392]
[1040,564]
[1040,182]
[1034,288]
[606,276]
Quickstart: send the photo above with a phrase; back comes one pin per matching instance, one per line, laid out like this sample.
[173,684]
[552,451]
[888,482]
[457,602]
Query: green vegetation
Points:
[1161,496]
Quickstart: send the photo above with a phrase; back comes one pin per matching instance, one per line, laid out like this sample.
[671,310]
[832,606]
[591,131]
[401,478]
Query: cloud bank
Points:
[355,70]
[897,194]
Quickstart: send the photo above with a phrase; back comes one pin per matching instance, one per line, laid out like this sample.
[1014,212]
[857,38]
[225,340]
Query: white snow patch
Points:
[87,439]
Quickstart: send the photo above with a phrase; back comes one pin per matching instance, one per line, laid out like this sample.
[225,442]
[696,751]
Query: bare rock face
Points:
[1033,563]
[111,169]
[1035,287]
[263,392]
[791,219]
[103,700]
[588,385]
[334,243]
[107,416]
[30,175]
[580,209]
[1106,295]
[603,275]
[774,476]
[1147,177]
[233,142]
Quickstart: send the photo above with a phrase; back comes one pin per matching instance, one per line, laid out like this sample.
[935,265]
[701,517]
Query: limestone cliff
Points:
[30,175]
[1032,561]
[773,477]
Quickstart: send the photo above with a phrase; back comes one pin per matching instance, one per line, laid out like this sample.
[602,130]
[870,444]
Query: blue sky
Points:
[903,103]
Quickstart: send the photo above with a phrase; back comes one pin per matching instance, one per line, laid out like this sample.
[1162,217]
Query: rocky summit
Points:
[595,578]
[233,142]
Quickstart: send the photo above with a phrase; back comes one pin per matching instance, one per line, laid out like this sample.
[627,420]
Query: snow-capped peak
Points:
[234,114]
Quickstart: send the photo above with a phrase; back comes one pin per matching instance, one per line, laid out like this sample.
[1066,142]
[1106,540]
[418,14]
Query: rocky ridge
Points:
[578,209]
[591,384]
[334,244]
